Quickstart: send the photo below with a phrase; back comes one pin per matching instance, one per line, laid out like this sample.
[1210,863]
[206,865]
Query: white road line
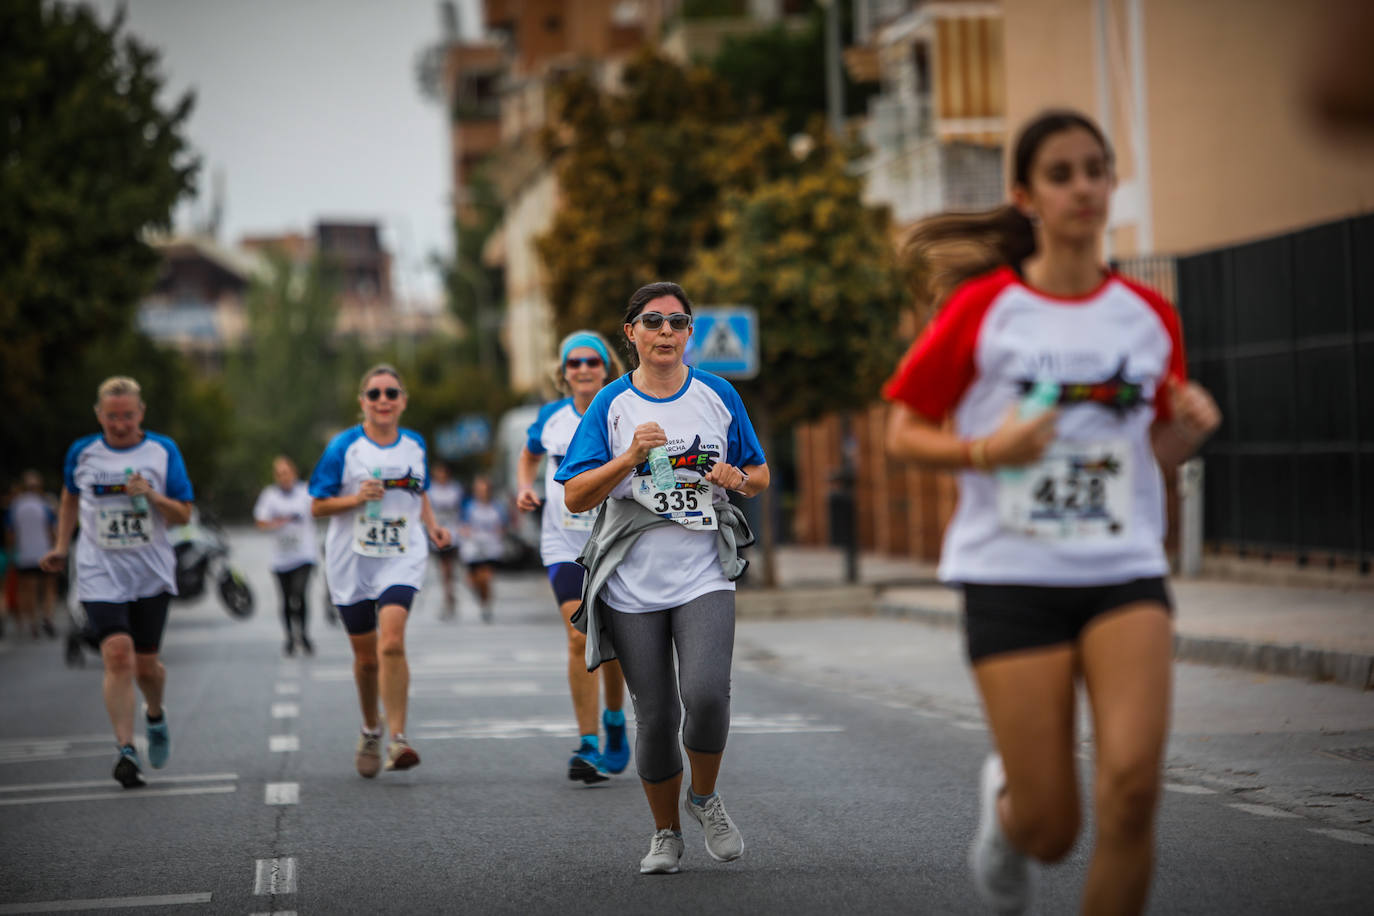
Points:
[275,876]
[1346,836]
[282,793]
[104,783]
[56,739]
[969,726]
[54,755]
[1263,810]
[286,710]
[284,743]
[101,903]
[118,795]
[559,727]
[288,688]
[1185,789]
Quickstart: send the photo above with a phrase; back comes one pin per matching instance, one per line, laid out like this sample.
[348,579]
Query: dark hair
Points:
[646,294]
[943,251]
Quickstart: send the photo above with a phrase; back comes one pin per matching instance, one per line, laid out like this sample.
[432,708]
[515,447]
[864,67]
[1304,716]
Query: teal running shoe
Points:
[127,770]
[617,753]
[586,765]
[159,743]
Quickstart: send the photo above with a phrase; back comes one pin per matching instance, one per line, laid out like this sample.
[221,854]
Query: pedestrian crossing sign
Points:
[725,340]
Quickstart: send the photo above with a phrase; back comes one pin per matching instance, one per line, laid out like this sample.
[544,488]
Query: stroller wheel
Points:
[236,594]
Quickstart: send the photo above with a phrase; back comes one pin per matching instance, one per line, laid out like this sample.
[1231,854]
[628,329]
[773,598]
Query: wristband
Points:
[740,488]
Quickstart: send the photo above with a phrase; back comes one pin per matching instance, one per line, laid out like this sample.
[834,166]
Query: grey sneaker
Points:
[368,759]
[724,842]
[665,852]
[1001,874]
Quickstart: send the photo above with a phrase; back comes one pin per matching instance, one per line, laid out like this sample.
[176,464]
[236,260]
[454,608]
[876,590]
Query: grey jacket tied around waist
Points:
[617,527]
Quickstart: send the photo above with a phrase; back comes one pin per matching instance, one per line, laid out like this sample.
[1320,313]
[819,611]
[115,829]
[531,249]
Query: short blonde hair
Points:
[116,386]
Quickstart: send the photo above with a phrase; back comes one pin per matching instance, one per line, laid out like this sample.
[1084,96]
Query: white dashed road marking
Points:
[275,876]
[119,794]
[560,727]
[105,783]
[101,903]
[284,743]
[1263,810]
[1185,789]
[288,688]
[1345,836]
[283,793]
[286,710]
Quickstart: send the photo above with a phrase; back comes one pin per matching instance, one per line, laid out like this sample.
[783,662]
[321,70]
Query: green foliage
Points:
[90,161]
[475,291]
[282,379]
[642,177]
[821,269]
[783,71]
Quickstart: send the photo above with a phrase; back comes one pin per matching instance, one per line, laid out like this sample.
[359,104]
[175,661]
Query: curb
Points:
[1349,669]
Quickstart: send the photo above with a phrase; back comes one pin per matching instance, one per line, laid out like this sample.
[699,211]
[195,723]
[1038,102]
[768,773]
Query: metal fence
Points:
[1281,331]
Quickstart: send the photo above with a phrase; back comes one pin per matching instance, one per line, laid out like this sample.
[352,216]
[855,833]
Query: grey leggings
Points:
[703,631]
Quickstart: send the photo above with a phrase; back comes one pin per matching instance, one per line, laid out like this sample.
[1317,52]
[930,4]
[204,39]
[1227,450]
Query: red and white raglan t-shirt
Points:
[1091,511]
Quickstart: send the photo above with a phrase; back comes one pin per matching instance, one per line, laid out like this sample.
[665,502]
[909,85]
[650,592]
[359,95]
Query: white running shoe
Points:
[665,852]
[1001,874]
[724,842]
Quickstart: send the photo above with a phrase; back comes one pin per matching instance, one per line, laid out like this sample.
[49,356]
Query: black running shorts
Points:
[143,619]
[1008,618]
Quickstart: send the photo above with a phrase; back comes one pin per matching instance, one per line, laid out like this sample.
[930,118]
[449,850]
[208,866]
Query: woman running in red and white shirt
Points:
[1058,536]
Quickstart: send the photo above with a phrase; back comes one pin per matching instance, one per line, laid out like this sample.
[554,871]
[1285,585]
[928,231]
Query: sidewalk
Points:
[1320,634]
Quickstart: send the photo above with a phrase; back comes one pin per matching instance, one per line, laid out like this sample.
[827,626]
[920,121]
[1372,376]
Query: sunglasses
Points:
[652,321]
[591,362]
[373,394]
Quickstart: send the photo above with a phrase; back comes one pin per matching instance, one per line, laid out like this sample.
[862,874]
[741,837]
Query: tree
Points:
[285,378]
[642,173]
[780,70]
[820,267]
[90,161]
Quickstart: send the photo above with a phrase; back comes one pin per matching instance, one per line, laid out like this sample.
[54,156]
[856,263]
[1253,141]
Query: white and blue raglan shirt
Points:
[294,541]
[367,551]
[122,554]
[705,422]
[563,533]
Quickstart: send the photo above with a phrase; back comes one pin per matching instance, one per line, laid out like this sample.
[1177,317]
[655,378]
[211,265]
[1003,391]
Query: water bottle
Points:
[661,469]
[140,502]
[1043,396]
[374,506]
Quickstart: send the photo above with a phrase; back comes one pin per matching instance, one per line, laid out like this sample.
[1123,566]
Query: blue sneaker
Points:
[159,743]
[586,765]
[617,753]
[127,770]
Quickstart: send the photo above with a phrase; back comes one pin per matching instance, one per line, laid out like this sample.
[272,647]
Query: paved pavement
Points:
[855,742]
[1324,634]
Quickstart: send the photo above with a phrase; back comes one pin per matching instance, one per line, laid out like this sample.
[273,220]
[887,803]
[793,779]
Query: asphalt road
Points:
[851,767]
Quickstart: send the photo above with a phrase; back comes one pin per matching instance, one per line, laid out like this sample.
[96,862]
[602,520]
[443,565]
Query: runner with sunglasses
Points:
[370,483]
[665,582]
[124,487]
[1058,537]
[584,369]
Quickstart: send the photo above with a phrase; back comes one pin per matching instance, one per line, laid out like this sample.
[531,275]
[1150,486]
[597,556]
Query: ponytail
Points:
[945,250]
[949,248]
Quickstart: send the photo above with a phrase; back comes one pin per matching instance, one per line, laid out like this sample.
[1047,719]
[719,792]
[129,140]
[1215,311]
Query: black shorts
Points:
[360,617]
[566,579]
[144,620]
[475,565]
[1008,618]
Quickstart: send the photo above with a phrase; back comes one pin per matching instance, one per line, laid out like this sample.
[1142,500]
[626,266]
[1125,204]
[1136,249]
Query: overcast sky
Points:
[311,110]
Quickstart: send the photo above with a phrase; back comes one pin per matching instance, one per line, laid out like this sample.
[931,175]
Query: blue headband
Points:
[583,339]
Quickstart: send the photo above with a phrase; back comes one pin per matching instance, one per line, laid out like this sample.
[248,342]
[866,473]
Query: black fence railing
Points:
[1281,331]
